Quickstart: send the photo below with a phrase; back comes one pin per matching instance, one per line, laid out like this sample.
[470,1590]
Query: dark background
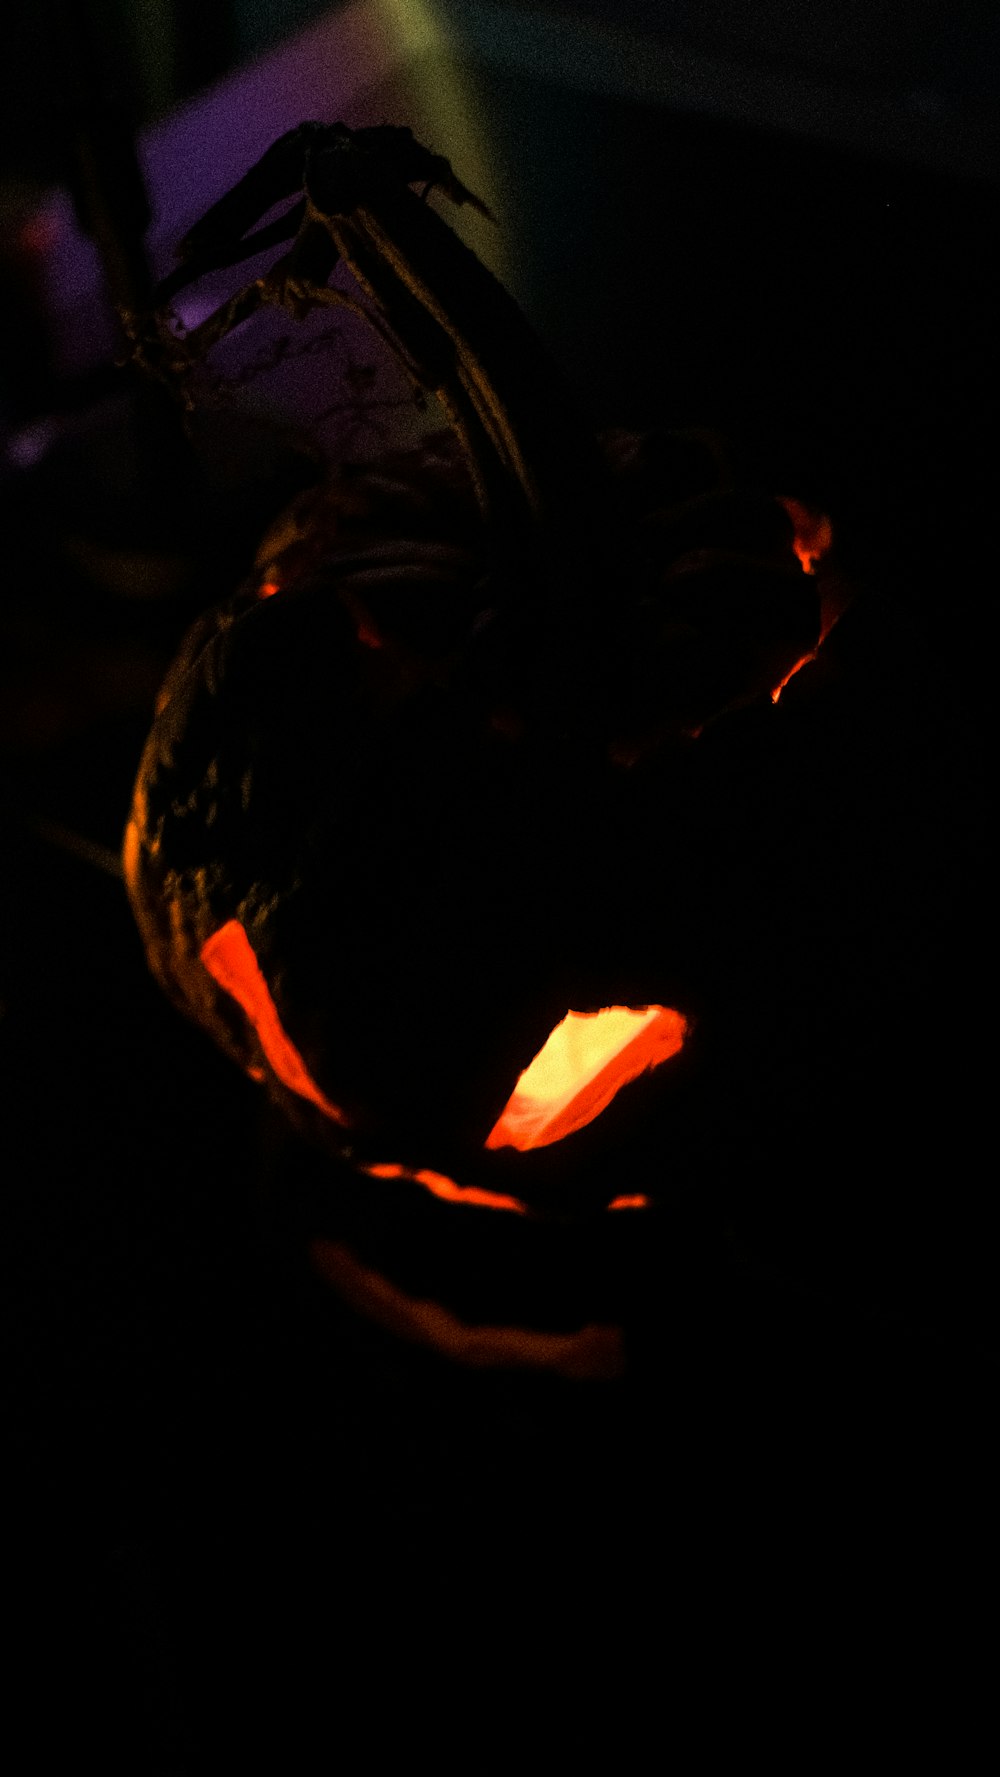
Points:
[234,1508]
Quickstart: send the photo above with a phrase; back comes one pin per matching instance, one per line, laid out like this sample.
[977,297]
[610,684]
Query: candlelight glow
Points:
[578,1071]
[229,959]
[778,689]
[813,533]
[585,1061]
[441,1186]
[813,538]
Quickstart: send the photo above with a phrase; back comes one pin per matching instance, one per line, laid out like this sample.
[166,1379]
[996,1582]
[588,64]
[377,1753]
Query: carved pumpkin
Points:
[408,836]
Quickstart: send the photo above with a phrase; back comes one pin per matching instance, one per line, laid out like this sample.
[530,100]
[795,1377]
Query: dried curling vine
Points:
[401,838]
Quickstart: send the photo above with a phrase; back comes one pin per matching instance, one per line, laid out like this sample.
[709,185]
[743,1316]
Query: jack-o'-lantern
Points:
[408,836]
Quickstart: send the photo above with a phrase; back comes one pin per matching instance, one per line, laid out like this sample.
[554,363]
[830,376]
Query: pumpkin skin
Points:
[411,796]
[342,803]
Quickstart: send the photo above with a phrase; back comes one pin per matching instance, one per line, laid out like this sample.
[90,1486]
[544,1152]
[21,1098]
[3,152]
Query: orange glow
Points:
[813,533]
[268,589]
[441,1186]
[445,1188]
[593,1353]
[813,538]
[833,604]
[577,1072]
[365,627]
[230,961]
[131,853]
[778,689]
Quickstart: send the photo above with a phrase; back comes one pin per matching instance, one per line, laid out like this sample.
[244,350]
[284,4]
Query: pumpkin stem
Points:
[448,321]
[530,453]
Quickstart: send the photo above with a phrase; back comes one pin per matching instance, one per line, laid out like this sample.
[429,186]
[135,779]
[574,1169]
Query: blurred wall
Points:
[914,71]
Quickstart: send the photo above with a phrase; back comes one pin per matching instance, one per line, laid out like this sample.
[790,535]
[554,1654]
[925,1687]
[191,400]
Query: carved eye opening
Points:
[583,1064]
[581,1067]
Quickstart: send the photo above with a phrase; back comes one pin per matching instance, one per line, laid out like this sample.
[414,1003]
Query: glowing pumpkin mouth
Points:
[439,1185]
